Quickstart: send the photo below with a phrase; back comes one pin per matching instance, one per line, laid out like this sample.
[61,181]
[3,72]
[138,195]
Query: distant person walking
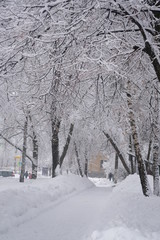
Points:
[110,176]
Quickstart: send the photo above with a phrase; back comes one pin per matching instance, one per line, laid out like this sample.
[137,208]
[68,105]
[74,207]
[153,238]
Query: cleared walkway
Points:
[73,219]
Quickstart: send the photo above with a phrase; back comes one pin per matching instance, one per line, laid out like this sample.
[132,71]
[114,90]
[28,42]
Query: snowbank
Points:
[127,214]
[20,202]
[132,216]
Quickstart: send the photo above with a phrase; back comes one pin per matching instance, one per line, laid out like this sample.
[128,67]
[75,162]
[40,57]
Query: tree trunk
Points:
[154,60]
[148,167]
[156,190]
[65,149]
[149,49]
[86,165]
[116,169]
[140,161]
[35,151]
[55,145]
[78,160]
[131,156]
[24,151]
[117,151]
[35,156]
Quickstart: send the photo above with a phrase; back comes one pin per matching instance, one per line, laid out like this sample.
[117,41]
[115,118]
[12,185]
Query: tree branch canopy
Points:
[18,148]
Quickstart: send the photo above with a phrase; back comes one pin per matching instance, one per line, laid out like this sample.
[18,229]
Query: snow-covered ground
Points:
[133,216]
[69,207]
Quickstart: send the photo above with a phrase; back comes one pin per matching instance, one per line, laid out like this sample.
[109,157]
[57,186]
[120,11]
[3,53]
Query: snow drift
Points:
[20,202]
[132,215]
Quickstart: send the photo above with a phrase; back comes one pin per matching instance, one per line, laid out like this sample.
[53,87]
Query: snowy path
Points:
[74,218]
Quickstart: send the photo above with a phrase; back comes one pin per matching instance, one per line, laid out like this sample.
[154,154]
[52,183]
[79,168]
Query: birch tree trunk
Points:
[35,156]
[140,161]
[148,165]
[156,190]
[131,156]
[24,151]
[155,169]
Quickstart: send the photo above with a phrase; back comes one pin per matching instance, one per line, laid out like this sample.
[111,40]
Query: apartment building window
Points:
[101,163]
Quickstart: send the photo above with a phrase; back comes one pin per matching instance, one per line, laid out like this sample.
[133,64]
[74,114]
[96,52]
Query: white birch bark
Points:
[156,190]
[140,161]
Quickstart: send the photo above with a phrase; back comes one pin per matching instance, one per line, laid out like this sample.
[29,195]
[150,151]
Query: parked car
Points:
[7,173]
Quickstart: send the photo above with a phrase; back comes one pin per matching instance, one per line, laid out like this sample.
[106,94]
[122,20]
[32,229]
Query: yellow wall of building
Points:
[95,165]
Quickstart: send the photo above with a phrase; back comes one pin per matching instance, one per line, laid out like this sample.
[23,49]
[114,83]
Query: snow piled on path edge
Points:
[132,215]
[19,202]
